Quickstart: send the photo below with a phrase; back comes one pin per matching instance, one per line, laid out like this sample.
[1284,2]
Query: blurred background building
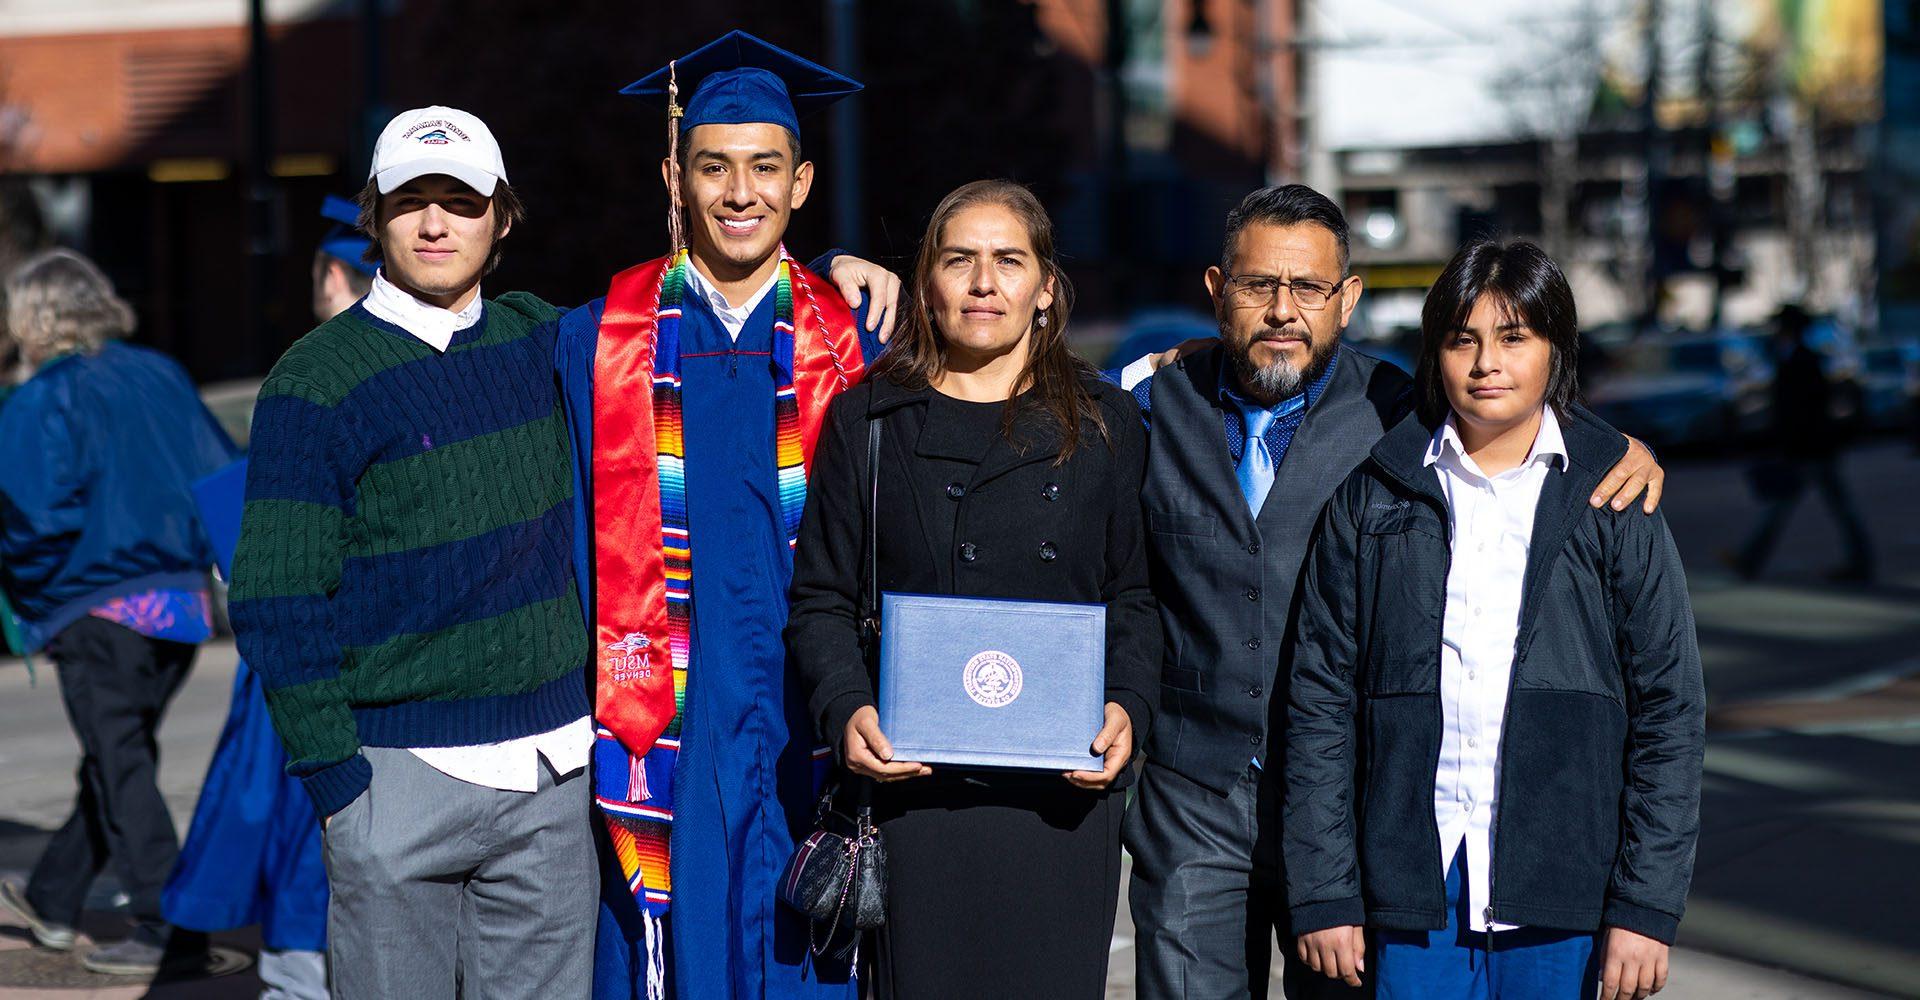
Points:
[1694,163]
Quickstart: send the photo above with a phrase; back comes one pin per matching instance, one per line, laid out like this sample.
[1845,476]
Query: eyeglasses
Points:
[1261,290]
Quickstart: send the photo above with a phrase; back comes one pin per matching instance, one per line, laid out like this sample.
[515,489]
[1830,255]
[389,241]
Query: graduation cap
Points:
[736,79]
[344,240]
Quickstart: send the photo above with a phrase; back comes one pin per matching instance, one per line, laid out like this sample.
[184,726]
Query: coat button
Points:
[1047,552]
[1255,691]
[969,551]
[1255,739]
[1253,643]
[1051,491]
[955,491]
[1253,593]
[1253,548]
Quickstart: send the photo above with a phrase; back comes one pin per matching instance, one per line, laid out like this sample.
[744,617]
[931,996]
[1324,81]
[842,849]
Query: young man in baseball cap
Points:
[403,584]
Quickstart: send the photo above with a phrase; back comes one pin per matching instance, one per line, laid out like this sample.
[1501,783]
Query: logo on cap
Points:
[992,679]
[437,133]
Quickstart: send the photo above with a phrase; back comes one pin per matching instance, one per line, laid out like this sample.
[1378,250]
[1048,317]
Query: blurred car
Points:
[1152,331]
[1693,390]
[1401,359]
[1890,385]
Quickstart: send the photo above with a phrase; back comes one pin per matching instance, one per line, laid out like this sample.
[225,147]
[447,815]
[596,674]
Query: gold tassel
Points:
[676,225]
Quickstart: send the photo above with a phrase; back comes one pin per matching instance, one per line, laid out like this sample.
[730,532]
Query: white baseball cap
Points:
[437,140]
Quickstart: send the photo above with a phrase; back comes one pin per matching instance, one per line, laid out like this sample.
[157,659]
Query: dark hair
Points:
[1529,288]
[917,354]
[1284,205]
[507,211]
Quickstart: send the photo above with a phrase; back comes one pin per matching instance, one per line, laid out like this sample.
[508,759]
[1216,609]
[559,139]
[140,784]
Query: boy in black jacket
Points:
[1496,718]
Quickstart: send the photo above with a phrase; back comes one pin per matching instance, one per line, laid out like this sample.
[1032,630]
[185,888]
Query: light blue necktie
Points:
[1256,462]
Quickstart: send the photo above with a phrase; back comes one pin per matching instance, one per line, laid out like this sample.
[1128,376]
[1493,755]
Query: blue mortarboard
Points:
[737,78]
[345,240]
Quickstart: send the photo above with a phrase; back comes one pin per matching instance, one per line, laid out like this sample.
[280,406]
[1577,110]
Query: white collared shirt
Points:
[510,765]
[734,319]
[514,765]
[1492,526]
[433,325]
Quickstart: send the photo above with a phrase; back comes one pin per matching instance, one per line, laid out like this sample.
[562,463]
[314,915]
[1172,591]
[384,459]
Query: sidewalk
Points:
[1695,975]
[27,973]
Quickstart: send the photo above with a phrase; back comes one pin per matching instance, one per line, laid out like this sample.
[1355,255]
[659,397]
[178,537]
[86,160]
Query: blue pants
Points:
[1455,963]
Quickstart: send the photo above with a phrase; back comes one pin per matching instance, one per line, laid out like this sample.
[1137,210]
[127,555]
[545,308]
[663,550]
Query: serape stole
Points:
[643,548]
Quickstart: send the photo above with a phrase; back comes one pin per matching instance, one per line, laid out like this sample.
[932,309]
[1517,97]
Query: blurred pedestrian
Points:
[253,853]
[107,563]
[343,269]
[998,437]
[1249,438]
[1550,743]
[1806,442]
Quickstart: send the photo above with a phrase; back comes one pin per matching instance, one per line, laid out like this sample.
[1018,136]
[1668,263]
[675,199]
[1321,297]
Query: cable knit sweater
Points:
[404,574]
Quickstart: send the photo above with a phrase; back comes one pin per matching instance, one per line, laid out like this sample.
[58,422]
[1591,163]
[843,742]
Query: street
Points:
[1810,852]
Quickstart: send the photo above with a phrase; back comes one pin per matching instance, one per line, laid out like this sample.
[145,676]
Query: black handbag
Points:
[837,877]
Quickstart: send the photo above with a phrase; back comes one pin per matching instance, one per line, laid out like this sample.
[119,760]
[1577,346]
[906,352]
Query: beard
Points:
[1281,378]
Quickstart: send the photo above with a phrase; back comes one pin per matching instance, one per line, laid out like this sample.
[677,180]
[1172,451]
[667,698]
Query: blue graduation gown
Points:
[745,782]
[253,852]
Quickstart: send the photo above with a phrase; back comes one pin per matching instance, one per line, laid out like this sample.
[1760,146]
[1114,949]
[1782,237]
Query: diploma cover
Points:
[984,682]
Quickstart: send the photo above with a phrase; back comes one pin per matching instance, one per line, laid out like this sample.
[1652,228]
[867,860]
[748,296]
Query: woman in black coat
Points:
[1007,469]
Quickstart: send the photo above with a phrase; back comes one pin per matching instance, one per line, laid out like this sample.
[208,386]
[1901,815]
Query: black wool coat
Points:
[1024,528]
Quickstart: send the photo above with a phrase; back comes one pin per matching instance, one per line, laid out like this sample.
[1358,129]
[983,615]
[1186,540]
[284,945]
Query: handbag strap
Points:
[814,943]
[859,787]
[870,582]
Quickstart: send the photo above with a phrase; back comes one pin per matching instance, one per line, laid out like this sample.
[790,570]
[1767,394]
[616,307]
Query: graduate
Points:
[695,390]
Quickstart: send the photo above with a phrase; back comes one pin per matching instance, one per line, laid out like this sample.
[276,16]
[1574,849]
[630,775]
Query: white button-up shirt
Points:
[1492,527]
[511,765]
[733,319]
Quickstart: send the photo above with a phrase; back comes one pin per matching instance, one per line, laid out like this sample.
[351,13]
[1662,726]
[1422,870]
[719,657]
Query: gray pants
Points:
[434,878]
[293,975]
[1206,894]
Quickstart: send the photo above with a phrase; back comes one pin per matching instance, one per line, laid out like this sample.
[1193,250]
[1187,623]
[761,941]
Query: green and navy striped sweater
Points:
[404,576]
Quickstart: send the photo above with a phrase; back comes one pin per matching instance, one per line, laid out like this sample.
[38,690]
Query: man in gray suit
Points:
[1250,437]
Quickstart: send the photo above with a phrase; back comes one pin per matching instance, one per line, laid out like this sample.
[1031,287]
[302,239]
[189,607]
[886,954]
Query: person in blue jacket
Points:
[106,563]
[253,853]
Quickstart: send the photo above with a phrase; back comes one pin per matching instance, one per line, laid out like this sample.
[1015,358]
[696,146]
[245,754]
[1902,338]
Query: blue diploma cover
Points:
[992,683]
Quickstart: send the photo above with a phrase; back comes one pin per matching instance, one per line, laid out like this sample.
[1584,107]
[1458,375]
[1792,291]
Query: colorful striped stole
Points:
[643,550]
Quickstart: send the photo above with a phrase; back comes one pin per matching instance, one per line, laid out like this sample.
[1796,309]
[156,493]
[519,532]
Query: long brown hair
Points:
[917,354]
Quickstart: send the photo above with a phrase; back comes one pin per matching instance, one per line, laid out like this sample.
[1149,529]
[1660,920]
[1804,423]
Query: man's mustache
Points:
[1282,335]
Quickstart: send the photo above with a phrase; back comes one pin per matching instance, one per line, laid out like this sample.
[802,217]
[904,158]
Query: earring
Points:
[1043,321]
